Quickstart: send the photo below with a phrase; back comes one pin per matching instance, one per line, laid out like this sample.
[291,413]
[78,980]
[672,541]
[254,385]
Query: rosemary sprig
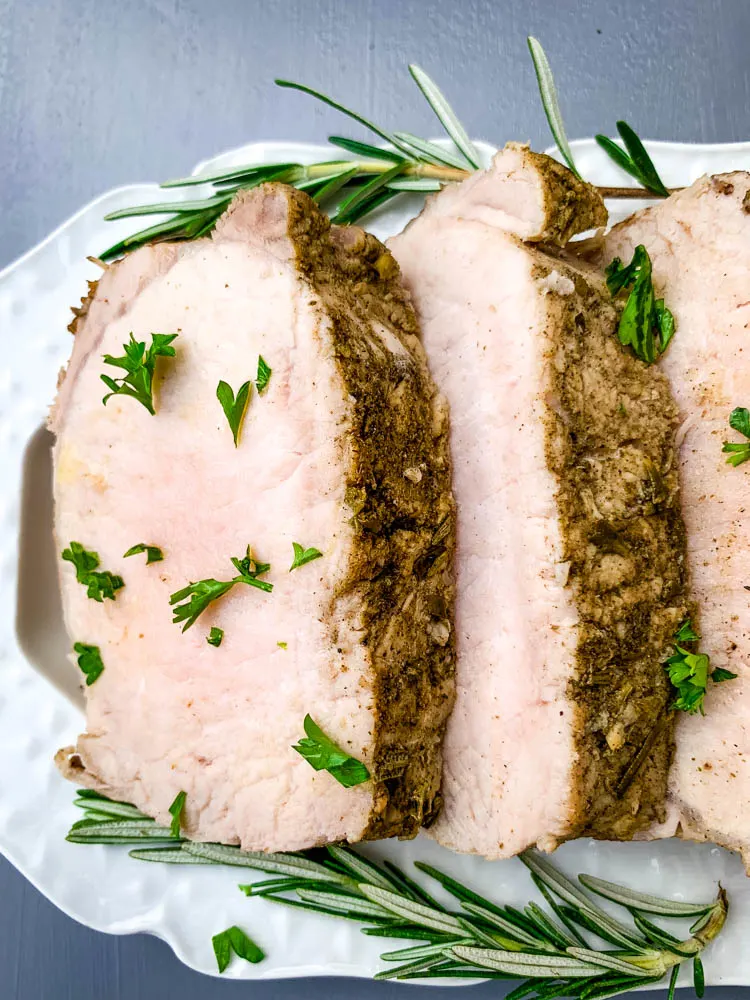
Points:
[634,159]
[558,954]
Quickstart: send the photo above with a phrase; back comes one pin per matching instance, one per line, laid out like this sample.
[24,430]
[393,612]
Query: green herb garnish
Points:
[323,754]
[215,636]
[140,365]
[235,940]
[550,101]
[634,159]
[175,811]
[193,600]
[282,645]
[153,552]
[263,375]
[689,671]
[303,555]
[646,325]
[234,408]
[564,951]
[98,584]
[90,661]
[739,452]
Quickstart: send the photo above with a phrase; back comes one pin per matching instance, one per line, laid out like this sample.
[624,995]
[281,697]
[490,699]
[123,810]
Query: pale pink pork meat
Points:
[345,450]
[569,575]
[699,244]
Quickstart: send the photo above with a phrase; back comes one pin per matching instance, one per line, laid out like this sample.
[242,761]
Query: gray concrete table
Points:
[96,93]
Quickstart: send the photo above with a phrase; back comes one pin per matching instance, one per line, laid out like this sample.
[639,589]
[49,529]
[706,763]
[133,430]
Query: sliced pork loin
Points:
[699,243]
[346,450]
[569,558]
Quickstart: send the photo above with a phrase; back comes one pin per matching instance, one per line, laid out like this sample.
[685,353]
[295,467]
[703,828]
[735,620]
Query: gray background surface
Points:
[96,93]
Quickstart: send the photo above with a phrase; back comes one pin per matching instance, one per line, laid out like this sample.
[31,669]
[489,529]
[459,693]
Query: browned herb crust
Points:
[611,443]
[401,572]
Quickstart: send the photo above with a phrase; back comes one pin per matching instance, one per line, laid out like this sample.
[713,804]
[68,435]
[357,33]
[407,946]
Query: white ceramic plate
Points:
[40,703]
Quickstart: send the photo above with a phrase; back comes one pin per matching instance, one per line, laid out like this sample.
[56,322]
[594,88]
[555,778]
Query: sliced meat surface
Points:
[699,243]
[345,450]
[570,581]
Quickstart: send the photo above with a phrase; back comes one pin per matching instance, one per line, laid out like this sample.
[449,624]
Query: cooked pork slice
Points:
[699,243]
[344,451]
[525,193]
[569,569]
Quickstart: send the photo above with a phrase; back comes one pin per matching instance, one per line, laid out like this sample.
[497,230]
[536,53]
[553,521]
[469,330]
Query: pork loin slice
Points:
[570,576]
[699,243]
[346,450]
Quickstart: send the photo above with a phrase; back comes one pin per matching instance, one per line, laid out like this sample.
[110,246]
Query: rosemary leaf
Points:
[338,107]
[430,151]
[641,900]
[520,963]
[409,887]
[408,970]
[349,905]
[168,855]
[510,930]
[410,910]
[646,171]
[230,174]
[414,184]
[660,938]
[556,936]
[282,864]
[362,869]
[424,951]
[446,115]
[406,931]
[335,184]
[568,891]
[575,937]
[104,806]
[351,209]
[606,960]
[365,149]
[550,102]
[614,987]
[699,980]
[181,207]
[673,982]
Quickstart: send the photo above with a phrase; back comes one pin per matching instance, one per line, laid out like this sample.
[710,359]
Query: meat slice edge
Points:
[568,516]
[699,244]
[346,450]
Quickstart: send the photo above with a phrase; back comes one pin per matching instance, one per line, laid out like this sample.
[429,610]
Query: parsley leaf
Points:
[646,325]
[153,552]
[90,661]
[98,585]
[193,600]
[739,452]
[323,754]
[720,674]
[634,159]
[175,811]
[235,940]
[215,636]
[140,365]
[303,555]
[282,645]
[689,672]
[234,409]
[263,376]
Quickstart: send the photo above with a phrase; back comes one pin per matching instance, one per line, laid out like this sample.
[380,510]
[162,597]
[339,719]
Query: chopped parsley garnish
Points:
[98,584]
[689,671]
[235,940]
[153,552]
[193,600]
[263,376]
[234,408]
[646,325]
[282,645]
[323,754]
[739,452]
[303,555]
[175,811]
[215,636]
[140,365]
[90,661]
